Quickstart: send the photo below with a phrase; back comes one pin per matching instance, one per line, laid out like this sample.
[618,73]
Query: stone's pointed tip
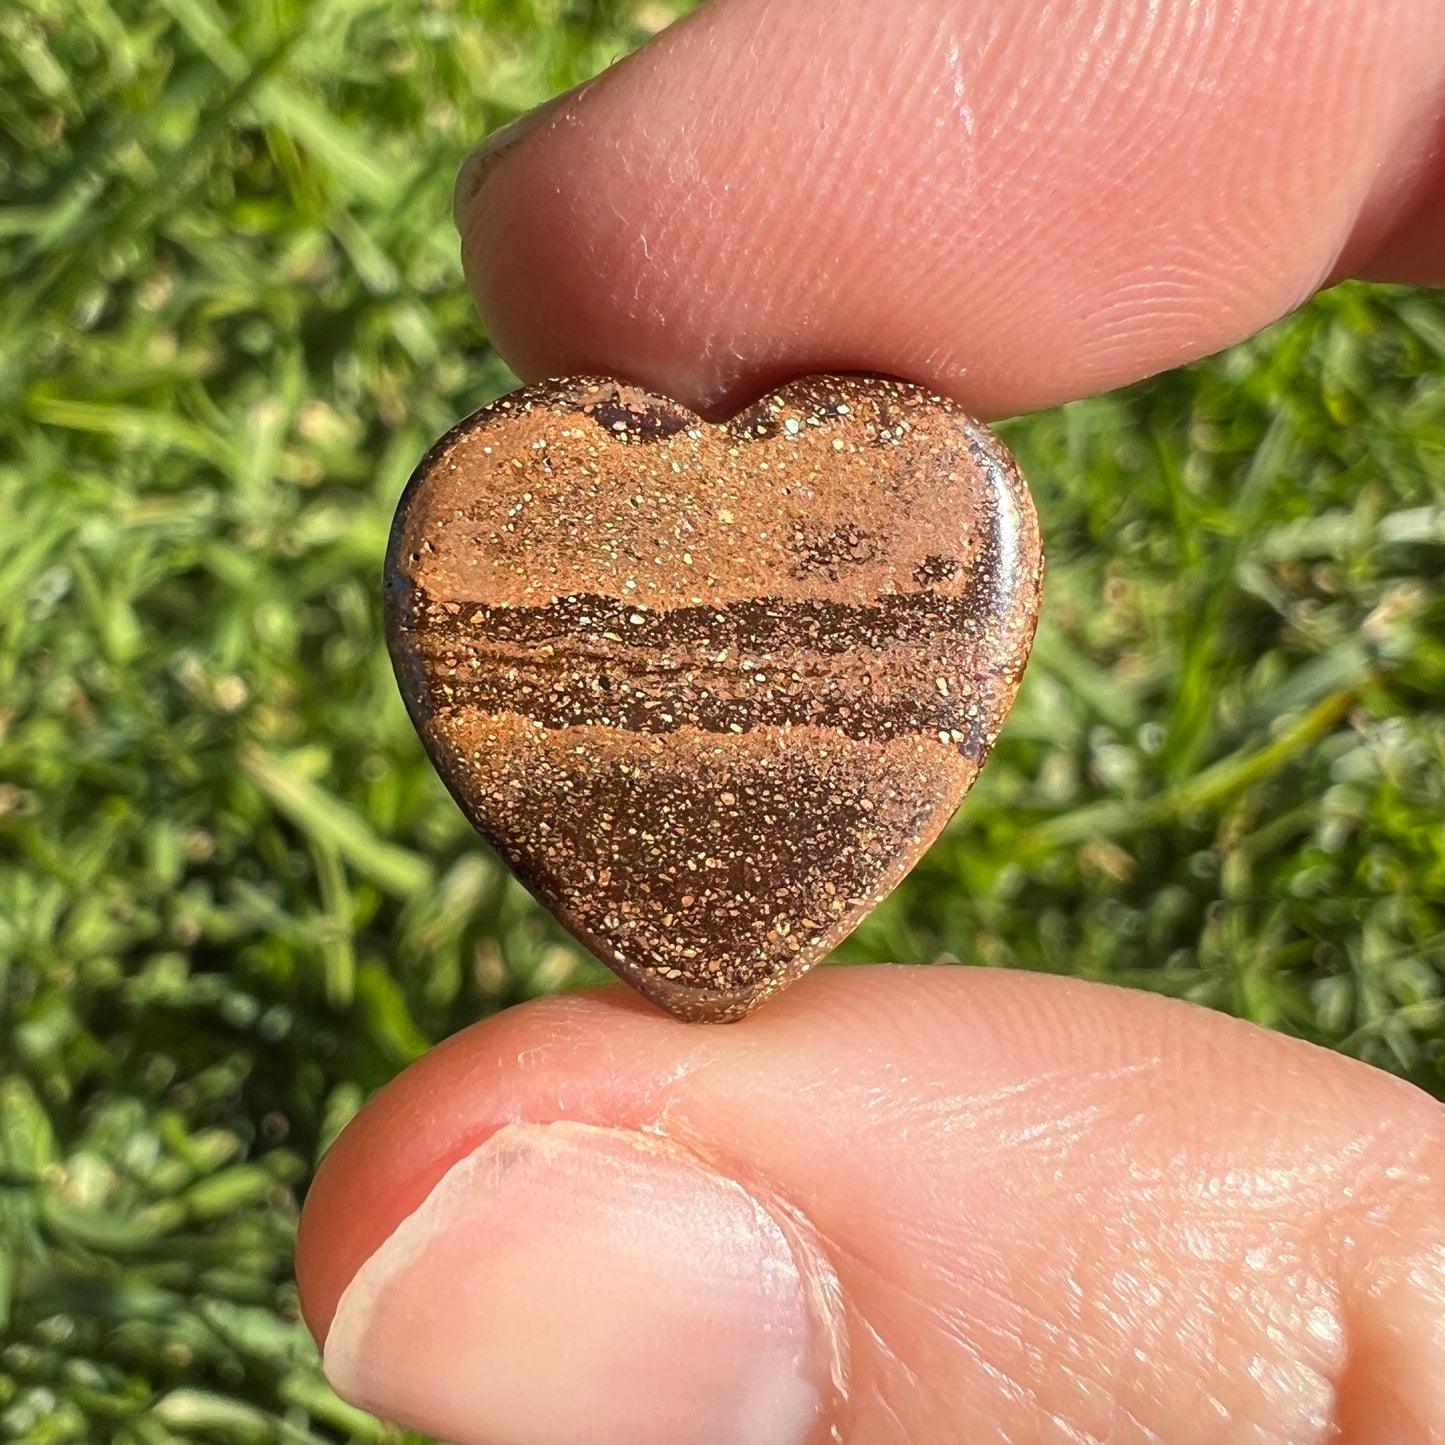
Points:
[712,688]
[695,1005]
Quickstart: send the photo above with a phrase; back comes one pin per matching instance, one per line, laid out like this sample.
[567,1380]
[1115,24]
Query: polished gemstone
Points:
[711,689]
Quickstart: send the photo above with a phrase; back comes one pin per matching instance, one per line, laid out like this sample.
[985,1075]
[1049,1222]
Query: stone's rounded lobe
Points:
[712,689]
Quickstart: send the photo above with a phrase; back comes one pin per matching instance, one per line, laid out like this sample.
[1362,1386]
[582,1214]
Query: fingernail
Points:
[479,162]
[567,1283]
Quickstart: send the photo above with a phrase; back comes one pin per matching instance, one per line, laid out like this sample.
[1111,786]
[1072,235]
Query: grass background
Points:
[234,898]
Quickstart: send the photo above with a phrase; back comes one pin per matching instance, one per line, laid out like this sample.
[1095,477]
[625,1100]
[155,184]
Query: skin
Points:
[1055,1211]
[985,214]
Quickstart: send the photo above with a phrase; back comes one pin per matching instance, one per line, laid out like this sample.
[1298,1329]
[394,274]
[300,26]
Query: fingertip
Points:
[1017,206]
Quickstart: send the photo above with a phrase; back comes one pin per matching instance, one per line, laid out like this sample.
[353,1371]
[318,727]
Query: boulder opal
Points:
[711,689]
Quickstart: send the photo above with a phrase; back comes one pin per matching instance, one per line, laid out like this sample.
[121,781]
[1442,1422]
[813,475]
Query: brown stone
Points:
[712,689]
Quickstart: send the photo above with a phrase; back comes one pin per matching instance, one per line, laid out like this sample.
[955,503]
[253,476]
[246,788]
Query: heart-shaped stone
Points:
[712,689]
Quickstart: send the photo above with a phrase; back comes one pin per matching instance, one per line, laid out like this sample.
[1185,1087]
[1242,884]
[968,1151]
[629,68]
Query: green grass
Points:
[234,898]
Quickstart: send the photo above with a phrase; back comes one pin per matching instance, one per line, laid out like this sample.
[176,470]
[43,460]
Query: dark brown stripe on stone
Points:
[902,666]
[657,706]
[754,628]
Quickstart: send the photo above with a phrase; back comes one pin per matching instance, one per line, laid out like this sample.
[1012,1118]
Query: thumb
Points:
[919,1205]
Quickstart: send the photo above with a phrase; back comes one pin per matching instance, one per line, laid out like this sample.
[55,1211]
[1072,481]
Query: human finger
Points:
[916,1205]
[1015,202]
